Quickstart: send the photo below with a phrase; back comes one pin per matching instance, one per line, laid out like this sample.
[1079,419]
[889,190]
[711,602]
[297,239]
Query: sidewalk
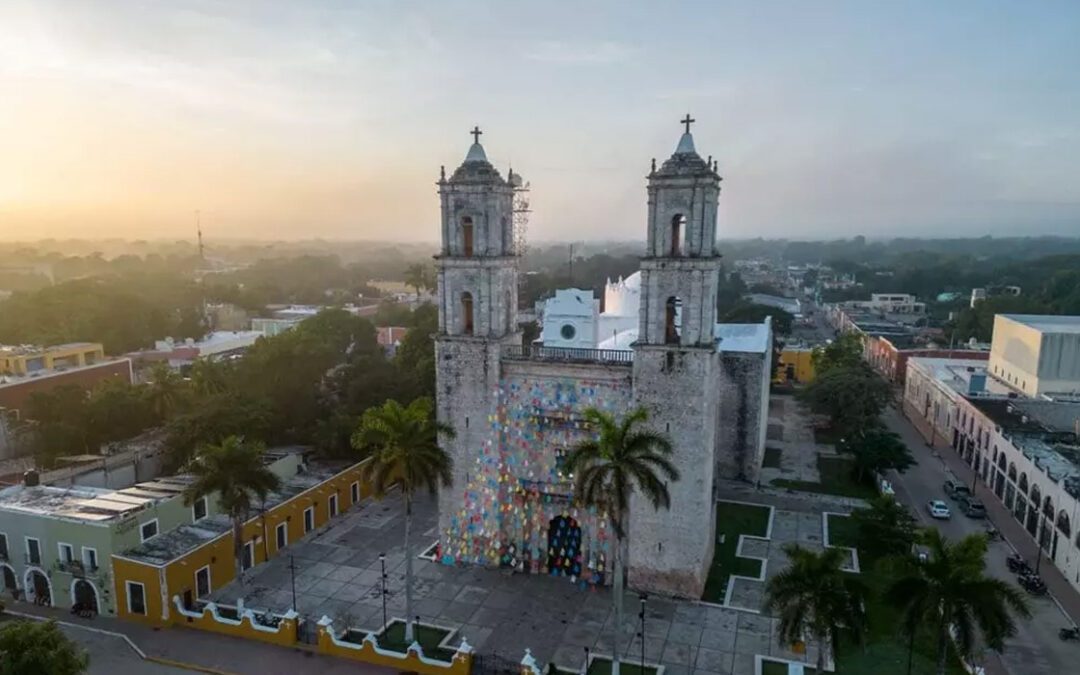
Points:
[1067,598]
[207,652]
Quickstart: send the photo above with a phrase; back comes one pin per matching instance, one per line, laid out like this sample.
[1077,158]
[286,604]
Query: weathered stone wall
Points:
[744,414]
[670,549]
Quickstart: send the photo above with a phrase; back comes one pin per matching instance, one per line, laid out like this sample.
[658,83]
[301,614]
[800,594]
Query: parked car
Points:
[955,489]
[938,509]
[973,508]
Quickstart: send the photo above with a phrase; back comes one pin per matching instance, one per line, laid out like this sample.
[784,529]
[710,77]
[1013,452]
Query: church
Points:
[517,409]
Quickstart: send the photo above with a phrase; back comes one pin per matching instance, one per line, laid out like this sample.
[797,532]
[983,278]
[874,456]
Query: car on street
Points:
[955,489]
[973,508]
[938,509]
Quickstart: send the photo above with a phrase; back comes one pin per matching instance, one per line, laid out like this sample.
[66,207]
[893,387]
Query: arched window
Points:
[466,314]
[1063,523]
[678,232]
[1001,461]
[467,237]
[1048,508]
[671,328]
[1023,484]
[1036,496]
[1012,471]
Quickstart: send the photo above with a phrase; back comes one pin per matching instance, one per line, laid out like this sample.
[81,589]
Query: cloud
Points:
[567,53]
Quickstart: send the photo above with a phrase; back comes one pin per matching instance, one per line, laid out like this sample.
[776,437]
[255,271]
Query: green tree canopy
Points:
[814,596]
[951,589]
[851,396]
[844,352]
[885,528]
[746,312]
[39,647]
[876,451]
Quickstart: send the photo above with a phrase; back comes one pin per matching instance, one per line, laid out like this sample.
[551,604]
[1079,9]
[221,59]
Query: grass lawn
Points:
[842,531]
[732,520]
[772,458]
[835,480]
[778,668]
[428,637]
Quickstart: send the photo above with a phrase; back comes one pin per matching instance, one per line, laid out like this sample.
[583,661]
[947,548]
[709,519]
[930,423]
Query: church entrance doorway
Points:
[10,583]
[564,547]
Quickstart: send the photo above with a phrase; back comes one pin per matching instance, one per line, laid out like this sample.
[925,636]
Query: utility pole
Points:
[292,571]
[382,563]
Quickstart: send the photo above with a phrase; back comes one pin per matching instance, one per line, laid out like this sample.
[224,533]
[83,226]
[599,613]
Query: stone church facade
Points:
[517,410]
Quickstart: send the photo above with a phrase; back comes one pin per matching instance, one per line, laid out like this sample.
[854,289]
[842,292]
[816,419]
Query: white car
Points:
[938,509]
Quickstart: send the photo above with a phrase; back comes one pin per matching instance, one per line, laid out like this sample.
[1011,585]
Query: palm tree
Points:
[608,468]
[951,590]
[165,391]
[209,377]
[405,451]
[233,470]
[814,595]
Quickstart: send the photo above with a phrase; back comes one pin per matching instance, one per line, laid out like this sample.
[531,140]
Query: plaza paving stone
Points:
[337,573]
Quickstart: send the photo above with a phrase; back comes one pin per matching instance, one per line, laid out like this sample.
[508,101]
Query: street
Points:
[1036,648]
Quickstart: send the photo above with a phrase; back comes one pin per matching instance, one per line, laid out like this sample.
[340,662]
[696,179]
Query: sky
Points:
[294,120]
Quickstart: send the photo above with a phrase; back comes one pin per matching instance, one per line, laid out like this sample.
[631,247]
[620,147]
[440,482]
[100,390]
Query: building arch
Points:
[1063,523]
[1036,495]
[1023,485]
[677,246]
[1001,461]
[468,322]
[671,324]
[34,581]
[1048,508]
[11,580]
[468,236]
[84,591]
[1012,471]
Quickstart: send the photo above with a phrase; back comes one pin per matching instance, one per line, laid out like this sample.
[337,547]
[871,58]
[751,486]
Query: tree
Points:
[235,472]
[215,418]
[210,377]
[886,528]
[419,277]
[746,312]
[405,451]
[876,451]
[950,590]
[608,468]
[852,397]
[166,391]
[845,351]
[39,647]
[814,595]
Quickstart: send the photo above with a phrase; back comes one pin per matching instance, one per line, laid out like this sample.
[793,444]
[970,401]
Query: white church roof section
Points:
[743,337]
[621,340]
[623,297]
[570,302]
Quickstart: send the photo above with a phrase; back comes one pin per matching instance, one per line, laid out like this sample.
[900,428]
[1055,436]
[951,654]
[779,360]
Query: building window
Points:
[4,553]
[466,313]
[247,556]
[89,558]
[309,519]
[199,509]
[671,328]
[33,551]
[467,236]
[67,553]
[136,598]
[148,529]
[202,582]
[333,505]
[281,535]
[678,231]
[354,492]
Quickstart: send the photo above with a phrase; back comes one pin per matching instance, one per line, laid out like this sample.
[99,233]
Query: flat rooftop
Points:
[90,504]
[957,373]
[168,546]
[1047,323]
[743,337]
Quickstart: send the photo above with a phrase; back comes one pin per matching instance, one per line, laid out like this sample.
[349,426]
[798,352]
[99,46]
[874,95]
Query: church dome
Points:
[476,168]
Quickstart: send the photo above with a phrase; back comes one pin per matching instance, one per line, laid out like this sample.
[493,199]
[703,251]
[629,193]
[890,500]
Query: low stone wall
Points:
[413,660]
[246,626]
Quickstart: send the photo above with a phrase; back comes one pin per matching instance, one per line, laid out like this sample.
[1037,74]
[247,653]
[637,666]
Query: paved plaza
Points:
[337,574]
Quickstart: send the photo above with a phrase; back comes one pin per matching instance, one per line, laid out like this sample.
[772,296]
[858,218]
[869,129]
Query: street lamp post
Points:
[642,615]
[292,572]
[382,563]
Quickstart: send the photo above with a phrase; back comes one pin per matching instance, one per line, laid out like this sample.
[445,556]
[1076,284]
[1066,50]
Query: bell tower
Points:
[677,369]
[477,274]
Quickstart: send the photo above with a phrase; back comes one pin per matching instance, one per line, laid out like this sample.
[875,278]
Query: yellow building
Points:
[796,366]
[25,360]
[192,561]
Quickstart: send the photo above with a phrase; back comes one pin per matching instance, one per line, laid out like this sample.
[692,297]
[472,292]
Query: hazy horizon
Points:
[325,120]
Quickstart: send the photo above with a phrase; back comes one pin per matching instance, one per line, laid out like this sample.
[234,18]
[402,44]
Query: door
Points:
[202,583]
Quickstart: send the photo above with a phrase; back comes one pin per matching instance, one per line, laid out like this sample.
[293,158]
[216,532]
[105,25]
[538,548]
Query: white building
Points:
[1037,354]
[570,319]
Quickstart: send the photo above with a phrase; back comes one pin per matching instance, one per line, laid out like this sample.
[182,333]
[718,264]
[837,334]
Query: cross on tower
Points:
[688,121]
[476,133]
